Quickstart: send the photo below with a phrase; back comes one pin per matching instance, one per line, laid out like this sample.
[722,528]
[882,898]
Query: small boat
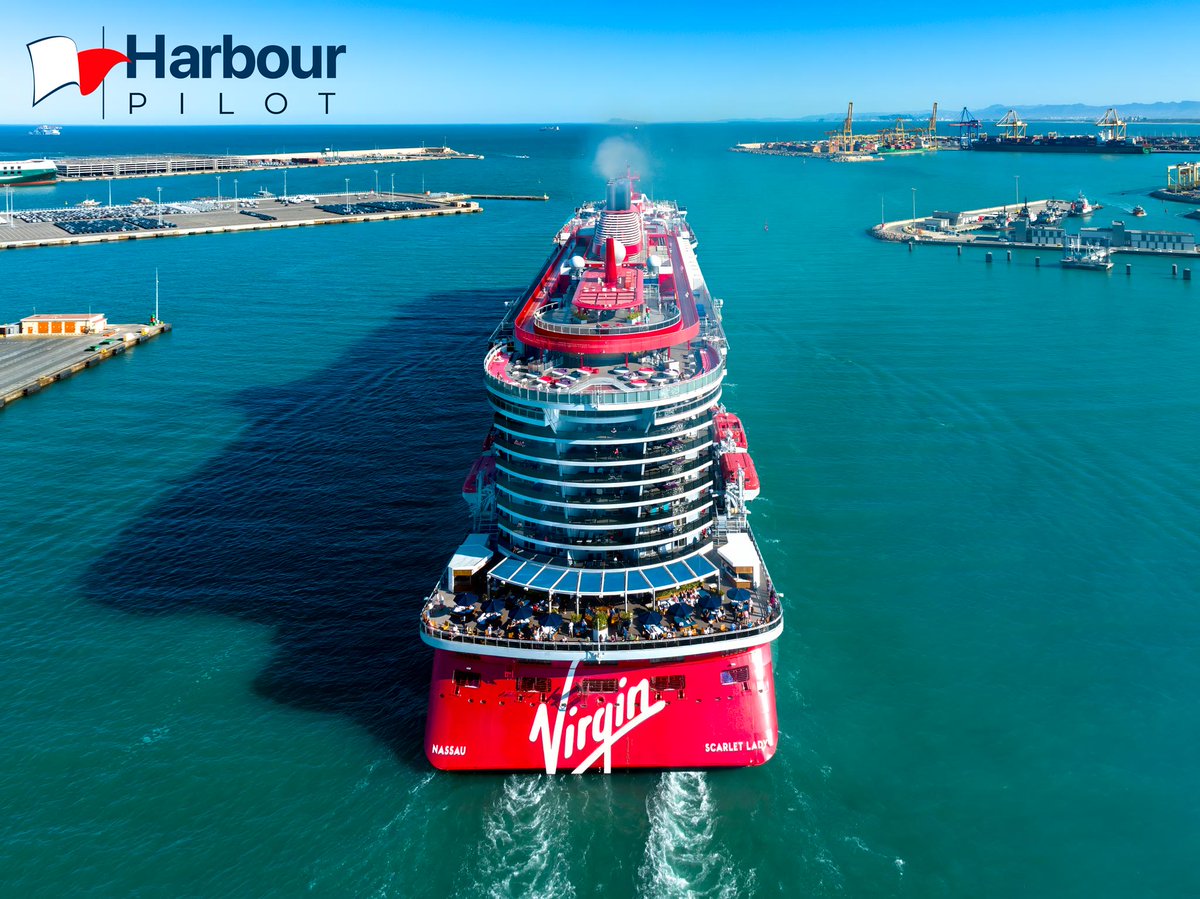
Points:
[1094,257]
[47,130]
[854,157]
[143,201]
[89,203]
[1137,211]
[1081,206]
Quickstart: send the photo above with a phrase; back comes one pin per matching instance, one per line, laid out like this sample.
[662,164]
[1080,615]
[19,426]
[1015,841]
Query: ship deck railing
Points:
[659,321]
[762,620]
[613,395]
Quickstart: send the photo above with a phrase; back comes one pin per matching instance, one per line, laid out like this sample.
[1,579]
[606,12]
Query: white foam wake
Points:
[525,849]
[683,856]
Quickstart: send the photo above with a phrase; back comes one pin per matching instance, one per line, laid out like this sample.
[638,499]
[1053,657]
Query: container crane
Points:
[1111,126]
[843,139]
[969,128]
[1011,126]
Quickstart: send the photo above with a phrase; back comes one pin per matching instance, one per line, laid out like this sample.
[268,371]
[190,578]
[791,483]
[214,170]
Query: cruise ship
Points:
[610,608]
[27,172]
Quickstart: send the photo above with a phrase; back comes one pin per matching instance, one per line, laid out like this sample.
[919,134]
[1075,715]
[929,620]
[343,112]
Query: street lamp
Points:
[218,188]
[376,181]
[347,191]
[159,206]
[914,198]
[235,197]
[393,184]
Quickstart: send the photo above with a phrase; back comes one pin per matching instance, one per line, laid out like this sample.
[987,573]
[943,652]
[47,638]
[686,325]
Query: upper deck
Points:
[602,296]
[692,618]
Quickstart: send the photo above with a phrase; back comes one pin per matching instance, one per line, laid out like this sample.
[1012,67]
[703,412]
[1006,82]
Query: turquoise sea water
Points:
[979,495]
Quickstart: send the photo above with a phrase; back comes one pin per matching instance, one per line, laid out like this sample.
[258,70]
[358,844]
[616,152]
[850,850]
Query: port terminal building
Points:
[1116,236]
[69,325]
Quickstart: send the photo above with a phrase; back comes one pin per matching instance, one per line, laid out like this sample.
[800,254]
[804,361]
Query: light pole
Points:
[218,188]
[110,193]
[347,192]
[377,182]
[882,219]
[393,184]
[159,206]
[235,197]
[914,195]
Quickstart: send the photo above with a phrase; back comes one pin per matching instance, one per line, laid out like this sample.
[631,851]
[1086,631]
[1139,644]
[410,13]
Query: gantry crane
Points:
[1011,126]
[1111,126]
[843,139]
[969,128]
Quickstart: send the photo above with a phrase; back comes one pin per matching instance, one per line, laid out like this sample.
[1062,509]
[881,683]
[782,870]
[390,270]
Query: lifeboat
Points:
[482,473]
[731,464]
[729,425]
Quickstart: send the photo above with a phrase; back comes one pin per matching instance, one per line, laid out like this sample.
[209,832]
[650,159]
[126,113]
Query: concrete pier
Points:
[227,215]
[97,168]
[911,231]
[27,364]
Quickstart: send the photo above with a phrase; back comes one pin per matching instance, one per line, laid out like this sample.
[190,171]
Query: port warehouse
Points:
[1050,236]
[126,166]
[55,325]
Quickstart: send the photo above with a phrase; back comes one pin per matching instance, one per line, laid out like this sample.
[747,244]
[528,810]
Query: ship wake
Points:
[683,856]
[524,851]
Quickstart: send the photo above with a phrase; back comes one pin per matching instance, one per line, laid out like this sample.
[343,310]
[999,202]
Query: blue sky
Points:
[466,61]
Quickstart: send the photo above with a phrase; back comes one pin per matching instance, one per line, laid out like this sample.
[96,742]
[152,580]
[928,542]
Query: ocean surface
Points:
[980,497]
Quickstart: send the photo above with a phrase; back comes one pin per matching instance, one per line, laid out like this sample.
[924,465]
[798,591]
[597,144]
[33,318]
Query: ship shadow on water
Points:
[330,518]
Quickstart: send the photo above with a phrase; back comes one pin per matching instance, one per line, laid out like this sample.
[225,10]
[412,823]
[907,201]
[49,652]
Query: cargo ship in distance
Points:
[28,172]
[1056,143]
[611,608]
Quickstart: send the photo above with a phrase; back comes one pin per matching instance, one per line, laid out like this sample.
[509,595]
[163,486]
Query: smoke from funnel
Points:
[616,154]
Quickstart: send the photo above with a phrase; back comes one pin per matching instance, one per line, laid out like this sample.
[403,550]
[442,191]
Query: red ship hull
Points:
[489,714]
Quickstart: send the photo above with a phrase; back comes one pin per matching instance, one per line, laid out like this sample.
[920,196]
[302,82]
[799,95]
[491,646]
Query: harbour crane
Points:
[844,139]
[931,134]
[1011,126]
[969,128]
[1111,126]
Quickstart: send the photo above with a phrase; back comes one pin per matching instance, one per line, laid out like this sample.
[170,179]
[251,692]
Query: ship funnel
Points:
[620,195]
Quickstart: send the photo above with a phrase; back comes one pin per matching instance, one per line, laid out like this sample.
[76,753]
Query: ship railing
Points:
[696,384]
[611,646]
[613,328]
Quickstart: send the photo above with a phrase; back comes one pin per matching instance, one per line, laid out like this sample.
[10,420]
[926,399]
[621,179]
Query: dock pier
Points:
[29,363]
[37,228]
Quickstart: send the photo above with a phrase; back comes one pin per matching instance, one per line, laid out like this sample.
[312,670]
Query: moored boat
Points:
[27,172]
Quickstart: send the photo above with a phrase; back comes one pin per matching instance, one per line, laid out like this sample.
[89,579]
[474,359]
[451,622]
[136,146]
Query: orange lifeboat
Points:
[731,464]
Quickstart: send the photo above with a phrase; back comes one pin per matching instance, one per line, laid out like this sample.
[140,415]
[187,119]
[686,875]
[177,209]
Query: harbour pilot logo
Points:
[158,70]
[58,63]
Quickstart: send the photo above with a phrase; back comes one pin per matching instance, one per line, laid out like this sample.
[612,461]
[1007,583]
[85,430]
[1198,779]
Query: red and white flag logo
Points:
[57,62]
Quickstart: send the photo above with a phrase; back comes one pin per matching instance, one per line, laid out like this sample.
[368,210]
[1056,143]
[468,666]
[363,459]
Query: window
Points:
[668,682]
[599,685]
[469,679]
[533,685]
[739,675]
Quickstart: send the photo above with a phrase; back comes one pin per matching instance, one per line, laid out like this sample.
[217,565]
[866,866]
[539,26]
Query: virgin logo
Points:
[593,736]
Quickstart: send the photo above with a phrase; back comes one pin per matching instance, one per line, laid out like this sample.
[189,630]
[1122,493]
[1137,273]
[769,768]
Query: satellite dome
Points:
[577,262]
[618,252]
[653,261]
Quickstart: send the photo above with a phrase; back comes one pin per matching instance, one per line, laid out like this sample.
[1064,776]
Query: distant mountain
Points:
[1174,111]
